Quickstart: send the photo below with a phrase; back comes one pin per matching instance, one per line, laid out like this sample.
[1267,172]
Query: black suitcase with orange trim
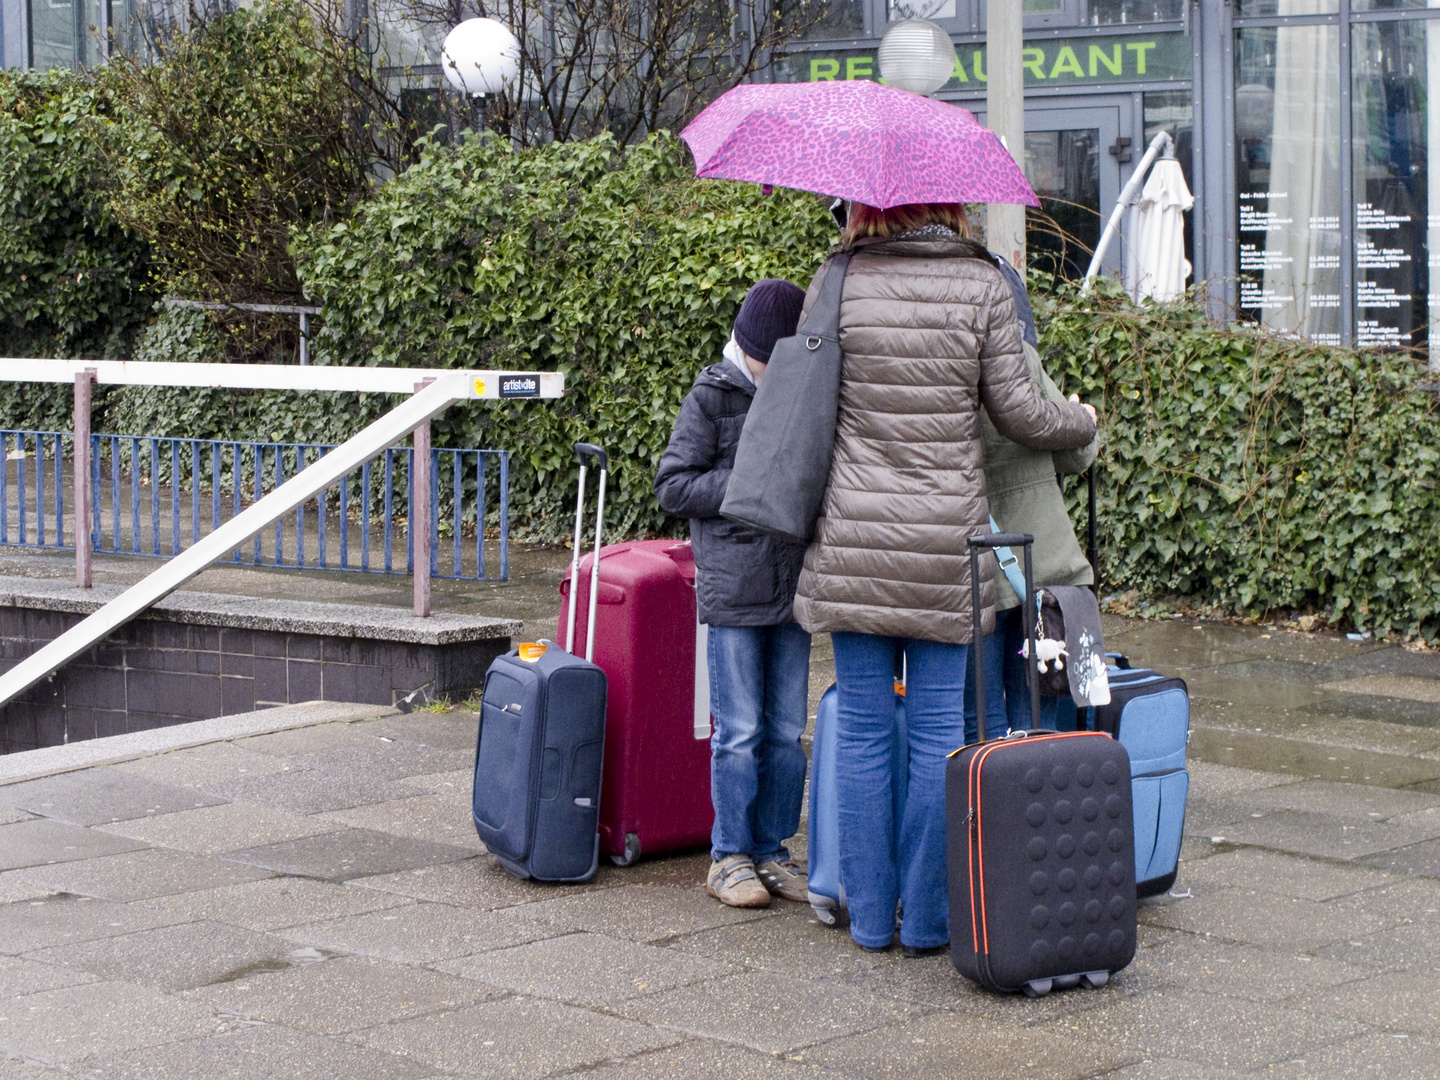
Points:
[1041,846]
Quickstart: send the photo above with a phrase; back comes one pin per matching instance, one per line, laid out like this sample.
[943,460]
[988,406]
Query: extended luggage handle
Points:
[1092,549]
[990,541]
[585,452]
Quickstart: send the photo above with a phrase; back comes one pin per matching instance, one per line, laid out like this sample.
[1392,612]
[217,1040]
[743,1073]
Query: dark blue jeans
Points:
[883,861]
[1007,696]
[759,690]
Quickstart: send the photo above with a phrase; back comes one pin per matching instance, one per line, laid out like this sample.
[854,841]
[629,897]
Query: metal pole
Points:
[83,382]
[575,563]
[595,568]
[420,523]
[304,337]
[1161,143]
[1032,671]
[1005,115]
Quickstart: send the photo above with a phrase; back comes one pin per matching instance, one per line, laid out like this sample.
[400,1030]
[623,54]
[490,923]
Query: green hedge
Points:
[72,281]
[1252,472]
[226,138]
[617,268]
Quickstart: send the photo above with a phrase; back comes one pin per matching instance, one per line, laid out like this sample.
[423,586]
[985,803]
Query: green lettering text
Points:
[824,70]
[1034,61]
[1139,48]
[979,61]
[959,72]
[1067,63]
[859,67]
[1114,63]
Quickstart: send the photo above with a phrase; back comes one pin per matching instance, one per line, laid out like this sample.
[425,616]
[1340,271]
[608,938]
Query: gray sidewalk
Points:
[313,903]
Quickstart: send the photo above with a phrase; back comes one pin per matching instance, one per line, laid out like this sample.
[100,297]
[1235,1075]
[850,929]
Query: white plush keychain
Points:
[1047,651]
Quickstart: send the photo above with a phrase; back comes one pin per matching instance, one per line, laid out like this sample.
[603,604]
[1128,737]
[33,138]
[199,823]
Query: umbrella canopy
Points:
[1156,265]
[854,140]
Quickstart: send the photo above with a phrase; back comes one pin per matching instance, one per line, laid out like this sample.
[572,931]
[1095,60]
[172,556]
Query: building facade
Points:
[1306,129]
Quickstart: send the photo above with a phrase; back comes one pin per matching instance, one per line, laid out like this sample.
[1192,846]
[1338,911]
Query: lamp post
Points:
[480,57]
[1005,115]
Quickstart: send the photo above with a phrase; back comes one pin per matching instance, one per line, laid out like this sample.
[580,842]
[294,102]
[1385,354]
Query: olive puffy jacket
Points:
[929,333]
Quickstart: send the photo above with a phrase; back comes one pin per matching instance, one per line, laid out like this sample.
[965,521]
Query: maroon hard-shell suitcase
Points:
[655,794]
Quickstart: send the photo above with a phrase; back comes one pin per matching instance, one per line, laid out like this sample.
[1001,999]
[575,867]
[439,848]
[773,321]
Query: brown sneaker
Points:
[733,881]
[785,880]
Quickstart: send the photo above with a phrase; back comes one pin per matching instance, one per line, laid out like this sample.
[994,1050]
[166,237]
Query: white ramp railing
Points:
[443,390]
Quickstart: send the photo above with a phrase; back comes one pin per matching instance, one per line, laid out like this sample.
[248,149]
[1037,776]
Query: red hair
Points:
[865,220]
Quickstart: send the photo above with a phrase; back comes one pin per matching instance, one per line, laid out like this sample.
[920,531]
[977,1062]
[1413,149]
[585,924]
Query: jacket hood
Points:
[723,376]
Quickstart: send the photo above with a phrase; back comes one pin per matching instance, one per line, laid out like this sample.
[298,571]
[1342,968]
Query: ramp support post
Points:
[84,541]
[419,524]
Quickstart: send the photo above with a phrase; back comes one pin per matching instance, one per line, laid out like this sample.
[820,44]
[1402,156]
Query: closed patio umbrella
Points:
[1155,264]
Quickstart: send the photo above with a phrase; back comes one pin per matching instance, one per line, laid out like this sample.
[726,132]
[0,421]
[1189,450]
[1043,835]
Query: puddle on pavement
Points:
[292,959]
[1409,687]
[1314,761]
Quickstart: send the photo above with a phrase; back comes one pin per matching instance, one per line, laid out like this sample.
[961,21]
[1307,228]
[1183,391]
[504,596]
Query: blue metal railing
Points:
[145,487]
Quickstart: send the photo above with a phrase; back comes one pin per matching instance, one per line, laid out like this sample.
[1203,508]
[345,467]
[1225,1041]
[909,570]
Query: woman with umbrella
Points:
[929,333]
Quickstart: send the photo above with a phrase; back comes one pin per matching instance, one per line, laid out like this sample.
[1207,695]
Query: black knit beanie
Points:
[771,311]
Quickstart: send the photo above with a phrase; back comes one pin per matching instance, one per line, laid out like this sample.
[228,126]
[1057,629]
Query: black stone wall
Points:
[155,672]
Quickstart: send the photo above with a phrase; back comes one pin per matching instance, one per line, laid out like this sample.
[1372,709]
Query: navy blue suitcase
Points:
[1149,714]
[1040,846]
[540,748]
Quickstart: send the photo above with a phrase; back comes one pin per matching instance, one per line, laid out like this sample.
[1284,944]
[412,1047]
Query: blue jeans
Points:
[1007,695]
[992,656]
[759,690]
[881,864]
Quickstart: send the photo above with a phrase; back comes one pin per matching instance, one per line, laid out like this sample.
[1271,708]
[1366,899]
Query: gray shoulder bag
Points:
[783,461]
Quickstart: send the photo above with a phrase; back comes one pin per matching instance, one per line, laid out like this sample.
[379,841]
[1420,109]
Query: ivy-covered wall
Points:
[1252,472]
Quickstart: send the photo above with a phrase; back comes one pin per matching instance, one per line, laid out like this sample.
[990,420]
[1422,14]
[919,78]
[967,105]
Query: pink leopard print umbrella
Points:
[857,140]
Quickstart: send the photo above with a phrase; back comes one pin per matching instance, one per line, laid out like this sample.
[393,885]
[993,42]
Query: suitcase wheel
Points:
[1093,980]
[1156,886]
[632,851]
[826,915]
[1038,987]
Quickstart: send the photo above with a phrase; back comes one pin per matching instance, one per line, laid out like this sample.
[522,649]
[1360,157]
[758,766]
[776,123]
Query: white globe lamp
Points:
[916,55]
[480,56]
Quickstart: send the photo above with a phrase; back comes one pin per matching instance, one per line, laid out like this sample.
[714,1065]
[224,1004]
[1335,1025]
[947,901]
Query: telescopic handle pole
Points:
[1093,547]
[991,541]
[585,451]
[575,562]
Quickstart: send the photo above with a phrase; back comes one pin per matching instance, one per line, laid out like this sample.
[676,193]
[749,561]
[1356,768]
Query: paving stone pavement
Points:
[313,903]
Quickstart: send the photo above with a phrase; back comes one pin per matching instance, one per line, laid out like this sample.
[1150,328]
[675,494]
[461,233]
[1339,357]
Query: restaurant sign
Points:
[1086,61]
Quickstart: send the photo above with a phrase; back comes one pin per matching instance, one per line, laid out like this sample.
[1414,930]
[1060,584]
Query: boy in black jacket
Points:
[759,658]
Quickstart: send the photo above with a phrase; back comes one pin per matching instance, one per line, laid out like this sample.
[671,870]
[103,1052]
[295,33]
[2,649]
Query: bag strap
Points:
[823,319]
[1009,564]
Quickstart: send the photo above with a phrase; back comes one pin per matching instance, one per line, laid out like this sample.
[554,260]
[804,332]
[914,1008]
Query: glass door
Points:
[1074,161]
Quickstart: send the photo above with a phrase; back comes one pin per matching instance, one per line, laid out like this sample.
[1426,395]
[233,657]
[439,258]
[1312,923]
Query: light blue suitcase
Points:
[826,891]
[1150,714]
